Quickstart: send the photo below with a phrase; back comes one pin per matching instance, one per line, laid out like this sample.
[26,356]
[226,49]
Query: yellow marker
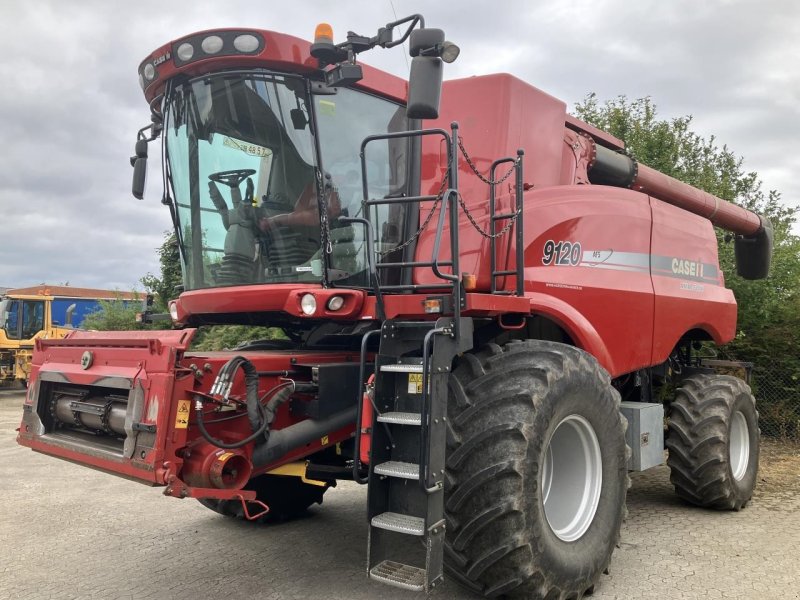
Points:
[415,383]
[324,440]
[182,416]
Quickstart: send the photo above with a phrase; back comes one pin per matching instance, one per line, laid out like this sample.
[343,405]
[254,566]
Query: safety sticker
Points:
[415,383]
[182,416]
[324,440]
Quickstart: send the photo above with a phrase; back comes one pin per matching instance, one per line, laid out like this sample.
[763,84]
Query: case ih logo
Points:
[687,267]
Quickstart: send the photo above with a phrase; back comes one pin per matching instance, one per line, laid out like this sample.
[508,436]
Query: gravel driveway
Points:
[70,532]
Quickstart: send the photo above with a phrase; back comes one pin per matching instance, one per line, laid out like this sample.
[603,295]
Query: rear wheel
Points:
[287,497]
[536,471]
[713,441]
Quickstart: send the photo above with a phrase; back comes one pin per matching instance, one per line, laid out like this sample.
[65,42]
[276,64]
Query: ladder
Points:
[407,458]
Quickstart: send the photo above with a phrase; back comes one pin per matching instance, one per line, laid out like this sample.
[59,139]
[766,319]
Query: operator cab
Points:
[264,172]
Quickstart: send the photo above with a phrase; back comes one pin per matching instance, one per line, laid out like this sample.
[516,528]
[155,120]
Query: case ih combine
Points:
[461,330]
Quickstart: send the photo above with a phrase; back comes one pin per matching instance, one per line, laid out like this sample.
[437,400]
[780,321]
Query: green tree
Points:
[769,311]
[169,285]
[113,315]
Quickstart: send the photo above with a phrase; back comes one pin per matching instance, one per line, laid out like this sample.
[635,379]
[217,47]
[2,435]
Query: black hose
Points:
[266,416]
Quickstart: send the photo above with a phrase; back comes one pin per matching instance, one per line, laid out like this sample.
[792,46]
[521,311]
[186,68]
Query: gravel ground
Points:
[70,532]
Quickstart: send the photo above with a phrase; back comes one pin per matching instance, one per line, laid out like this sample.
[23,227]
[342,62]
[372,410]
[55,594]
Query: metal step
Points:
[399,575]
[401,368]
[394,468]
[393,521]
[401,418]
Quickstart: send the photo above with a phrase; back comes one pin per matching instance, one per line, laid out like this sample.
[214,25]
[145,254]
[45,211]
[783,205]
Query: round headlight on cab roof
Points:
[212,44]
[149,72]
[185,51]
[245,43]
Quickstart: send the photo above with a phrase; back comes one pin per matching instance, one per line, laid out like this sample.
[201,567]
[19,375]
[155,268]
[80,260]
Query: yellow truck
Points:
[42,312]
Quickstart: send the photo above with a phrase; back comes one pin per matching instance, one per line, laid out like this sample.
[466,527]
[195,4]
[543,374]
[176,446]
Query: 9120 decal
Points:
[562,253]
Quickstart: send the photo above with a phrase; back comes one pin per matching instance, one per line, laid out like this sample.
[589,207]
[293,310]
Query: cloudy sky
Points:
[70,103]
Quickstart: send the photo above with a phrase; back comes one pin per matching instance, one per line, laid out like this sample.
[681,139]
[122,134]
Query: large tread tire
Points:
[699,440]
[504,404]
[286,496]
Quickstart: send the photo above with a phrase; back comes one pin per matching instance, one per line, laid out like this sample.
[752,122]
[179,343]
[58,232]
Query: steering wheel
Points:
[232,178]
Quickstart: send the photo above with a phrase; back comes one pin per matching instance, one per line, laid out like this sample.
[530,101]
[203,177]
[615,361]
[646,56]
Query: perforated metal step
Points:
[401,368]
[403,470]
[393,521]
[401,418]
[399,575]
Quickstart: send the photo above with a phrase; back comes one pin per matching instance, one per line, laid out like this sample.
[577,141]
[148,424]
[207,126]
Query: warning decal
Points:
[182,416]
[415,383]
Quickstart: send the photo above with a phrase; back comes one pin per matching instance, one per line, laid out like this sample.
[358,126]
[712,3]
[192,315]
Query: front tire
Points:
[536,473]
[713,441]
[286,496]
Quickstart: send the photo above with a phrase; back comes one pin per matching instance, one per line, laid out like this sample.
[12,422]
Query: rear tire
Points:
[713,441]
[515,525]
[287,497]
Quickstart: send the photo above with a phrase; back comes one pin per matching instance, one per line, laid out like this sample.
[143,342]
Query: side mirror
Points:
[139,163]
[139,177]
[424,87]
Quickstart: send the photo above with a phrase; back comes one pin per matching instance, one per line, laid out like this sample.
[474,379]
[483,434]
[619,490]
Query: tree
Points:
[169,285]
[113,315]
[769,311]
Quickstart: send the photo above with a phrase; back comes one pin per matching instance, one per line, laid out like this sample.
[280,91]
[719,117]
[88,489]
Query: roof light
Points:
[246,43]
[185,51]
[149,72]
[212,44]
[323,34]
[308,304]
[173,310]
[335,303]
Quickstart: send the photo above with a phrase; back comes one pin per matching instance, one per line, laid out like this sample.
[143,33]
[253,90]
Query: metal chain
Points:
[490,182]
[418,232]
[478,173]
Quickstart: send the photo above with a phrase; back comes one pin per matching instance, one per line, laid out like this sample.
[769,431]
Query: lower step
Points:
[394,468]
[399,575]
[400,523]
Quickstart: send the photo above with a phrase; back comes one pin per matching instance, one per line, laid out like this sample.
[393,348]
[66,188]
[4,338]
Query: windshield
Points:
[22,326]
[248,182]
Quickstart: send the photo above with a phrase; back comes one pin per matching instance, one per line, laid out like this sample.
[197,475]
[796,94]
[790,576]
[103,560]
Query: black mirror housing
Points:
[428,39]
[424,87]
[139,177]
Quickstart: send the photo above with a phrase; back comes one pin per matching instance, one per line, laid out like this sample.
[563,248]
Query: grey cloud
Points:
[70,105]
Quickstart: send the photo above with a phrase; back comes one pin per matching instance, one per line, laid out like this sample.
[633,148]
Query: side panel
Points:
[588,247]
[689,287]
[83,307]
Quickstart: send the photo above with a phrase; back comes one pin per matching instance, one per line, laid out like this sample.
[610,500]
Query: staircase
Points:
[406,476]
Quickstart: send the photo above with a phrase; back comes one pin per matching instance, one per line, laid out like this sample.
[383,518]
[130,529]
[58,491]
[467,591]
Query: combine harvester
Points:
[470,280]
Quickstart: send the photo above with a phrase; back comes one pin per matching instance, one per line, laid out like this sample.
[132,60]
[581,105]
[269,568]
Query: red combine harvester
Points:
[466,337]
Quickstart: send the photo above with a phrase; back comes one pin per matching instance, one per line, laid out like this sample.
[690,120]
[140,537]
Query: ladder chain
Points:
[466,210]
[439,195]
[478,173]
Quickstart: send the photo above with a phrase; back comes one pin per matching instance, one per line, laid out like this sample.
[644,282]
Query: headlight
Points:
[335,303]
[308,304]
[185,51]
[212,44]
[173,310]
[149,72]
[246,43]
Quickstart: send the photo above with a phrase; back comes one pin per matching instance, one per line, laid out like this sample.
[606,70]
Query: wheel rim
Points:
[572,477]
[739,446]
